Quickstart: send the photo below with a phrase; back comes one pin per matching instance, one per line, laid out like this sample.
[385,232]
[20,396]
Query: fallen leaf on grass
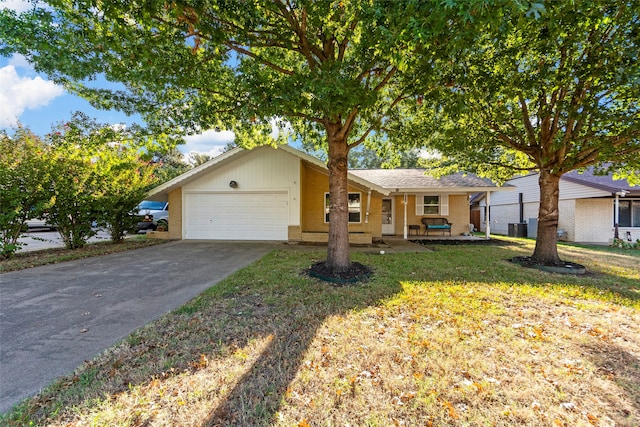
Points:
[201,363]
[304,423]
[450,409]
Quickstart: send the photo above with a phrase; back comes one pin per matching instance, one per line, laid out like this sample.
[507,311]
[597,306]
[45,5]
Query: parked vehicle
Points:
[39,223]
[151,214]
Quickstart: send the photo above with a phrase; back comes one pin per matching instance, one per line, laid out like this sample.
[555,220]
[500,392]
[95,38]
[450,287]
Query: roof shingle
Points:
[415,179]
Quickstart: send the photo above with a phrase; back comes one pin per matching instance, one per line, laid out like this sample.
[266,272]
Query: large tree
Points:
[553,90]
[330,69]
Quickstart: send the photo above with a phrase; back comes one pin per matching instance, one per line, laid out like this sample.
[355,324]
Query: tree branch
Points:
[526,119]
[241,50]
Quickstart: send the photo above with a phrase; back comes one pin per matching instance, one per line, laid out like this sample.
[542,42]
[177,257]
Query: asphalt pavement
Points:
[54,317]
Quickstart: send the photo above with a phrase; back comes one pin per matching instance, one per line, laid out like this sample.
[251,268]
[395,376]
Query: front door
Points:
[388,217]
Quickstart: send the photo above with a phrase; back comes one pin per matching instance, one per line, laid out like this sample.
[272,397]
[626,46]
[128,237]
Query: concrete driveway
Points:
[53,318]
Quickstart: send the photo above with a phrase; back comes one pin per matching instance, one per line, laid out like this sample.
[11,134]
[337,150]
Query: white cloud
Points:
[18,94]
[17,5]
[210,142]
[20,61]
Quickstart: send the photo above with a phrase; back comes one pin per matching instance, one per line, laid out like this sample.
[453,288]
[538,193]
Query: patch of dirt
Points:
[356,273]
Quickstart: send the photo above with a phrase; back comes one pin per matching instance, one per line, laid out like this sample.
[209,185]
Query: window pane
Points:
[624,219]
[354,207]
[431,210]
[326,207]
[431,205]
[635,213]
[431,200]
[386,211]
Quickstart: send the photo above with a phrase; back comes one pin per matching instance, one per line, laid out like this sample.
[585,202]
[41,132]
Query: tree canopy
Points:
[553,90]
[332,71]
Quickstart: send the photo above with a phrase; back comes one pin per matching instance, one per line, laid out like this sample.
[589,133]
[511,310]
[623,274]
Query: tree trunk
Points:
[546,251]
[338,258]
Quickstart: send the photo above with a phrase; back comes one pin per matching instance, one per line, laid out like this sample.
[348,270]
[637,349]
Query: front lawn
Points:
[455,336]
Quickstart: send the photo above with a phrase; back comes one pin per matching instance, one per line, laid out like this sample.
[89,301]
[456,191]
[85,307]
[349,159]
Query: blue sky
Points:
[31,99]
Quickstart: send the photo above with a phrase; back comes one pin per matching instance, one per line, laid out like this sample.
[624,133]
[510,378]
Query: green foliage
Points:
[23,192]
[333,73]
[169,164]
[98,178]
[125,179]
[197,159]
[382,157]
[75,186]
[553,88]
[623,244]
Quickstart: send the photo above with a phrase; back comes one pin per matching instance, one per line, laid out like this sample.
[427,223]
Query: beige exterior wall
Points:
[314,185]
[294,233]
[175,214]
[459,213]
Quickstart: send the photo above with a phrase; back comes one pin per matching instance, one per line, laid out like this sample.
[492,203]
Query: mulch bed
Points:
[494,242]
[357,273]
[565,267]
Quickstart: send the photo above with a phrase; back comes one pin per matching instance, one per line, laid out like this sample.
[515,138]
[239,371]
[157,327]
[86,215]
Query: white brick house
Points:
[588,206]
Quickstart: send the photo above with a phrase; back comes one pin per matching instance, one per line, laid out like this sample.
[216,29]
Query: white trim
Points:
[405,203]
[487,215]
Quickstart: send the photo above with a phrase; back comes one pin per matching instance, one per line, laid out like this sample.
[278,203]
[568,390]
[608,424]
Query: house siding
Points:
[175,214]
[591,217]
[586,213]
[567,221]
[315,184]
[262,169]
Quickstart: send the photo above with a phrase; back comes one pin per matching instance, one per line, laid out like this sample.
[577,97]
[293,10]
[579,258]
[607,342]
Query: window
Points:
[432,204]
[629,213]
[353,203]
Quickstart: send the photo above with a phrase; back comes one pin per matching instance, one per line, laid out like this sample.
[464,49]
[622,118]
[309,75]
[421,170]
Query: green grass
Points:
[454,336]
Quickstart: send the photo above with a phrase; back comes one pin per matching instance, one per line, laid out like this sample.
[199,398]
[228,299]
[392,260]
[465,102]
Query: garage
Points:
[236,216]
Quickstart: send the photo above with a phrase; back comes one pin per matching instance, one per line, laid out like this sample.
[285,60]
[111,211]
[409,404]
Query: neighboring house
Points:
[282,194]
[588,207]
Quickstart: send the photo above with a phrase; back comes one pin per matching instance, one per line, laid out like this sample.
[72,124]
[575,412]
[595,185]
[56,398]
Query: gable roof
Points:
[162,190]
[415,180]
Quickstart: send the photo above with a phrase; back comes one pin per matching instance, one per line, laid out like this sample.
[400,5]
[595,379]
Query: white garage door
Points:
[237,216]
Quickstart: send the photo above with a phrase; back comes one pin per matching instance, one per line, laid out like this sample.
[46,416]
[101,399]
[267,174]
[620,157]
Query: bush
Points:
[23,186]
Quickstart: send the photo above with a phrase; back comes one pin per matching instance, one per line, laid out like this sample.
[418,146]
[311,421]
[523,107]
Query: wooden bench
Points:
[437,224]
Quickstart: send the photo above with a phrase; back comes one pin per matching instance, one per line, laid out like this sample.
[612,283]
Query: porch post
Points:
[487,220]
[405,216]
[616,217]
[366,218]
